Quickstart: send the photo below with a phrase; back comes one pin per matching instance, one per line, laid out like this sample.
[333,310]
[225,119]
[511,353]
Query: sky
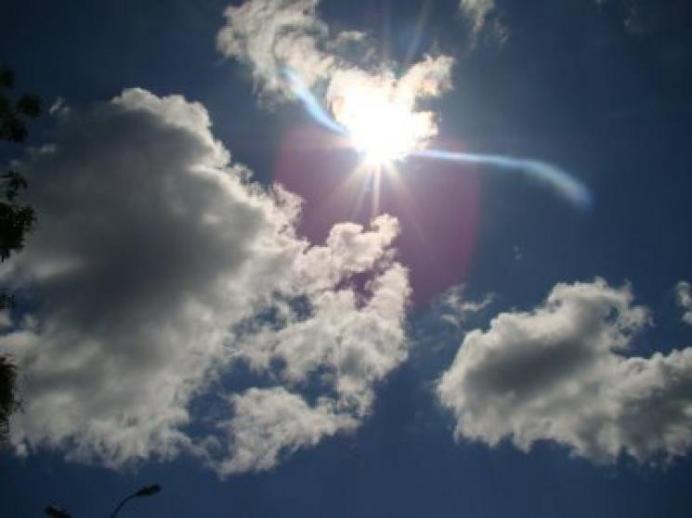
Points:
[369,258]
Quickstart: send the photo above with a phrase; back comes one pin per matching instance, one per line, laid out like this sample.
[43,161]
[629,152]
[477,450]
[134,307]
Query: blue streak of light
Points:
[311,104]
[565,184]
[561,181]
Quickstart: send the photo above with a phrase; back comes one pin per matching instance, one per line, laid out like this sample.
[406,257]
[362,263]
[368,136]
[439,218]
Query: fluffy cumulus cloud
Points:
[335,353]
[271,422]
[156,267]
[561,373]
[684,296]
[274,36]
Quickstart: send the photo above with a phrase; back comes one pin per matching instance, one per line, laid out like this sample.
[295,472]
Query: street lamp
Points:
[145,491]
[59,512]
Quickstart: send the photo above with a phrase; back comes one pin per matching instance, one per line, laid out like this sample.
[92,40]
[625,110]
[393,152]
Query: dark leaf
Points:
[6,77]
[8,398]
[29,105]
[12,128]
[15,222]
[14,182]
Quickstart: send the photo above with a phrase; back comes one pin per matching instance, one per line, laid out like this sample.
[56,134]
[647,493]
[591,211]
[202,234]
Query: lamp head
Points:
[57,512]
[149,490]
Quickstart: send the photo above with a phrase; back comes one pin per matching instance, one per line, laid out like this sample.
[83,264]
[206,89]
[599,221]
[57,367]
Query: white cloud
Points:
[684,295]
[150,254]
[455,308]
[478,12]
[559,373]
[358,341]
[274,35]
[272,422]
[271,34]
[350,340]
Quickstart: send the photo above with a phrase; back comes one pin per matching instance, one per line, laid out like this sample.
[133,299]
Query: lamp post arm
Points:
[122,503]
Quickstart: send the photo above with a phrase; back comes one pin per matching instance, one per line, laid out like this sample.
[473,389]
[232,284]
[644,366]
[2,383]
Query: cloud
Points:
[645,17]
[272,422]
[275,35]
[477,11]
[559,373]
[347,343]
[359,342]
[154,264]
[480,14]
[683,292]
[455,309]
[684,296]
[272,34]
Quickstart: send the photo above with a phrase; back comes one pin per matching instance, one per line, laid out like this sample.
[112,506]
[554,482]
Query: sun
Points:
[380,131]
[382,126]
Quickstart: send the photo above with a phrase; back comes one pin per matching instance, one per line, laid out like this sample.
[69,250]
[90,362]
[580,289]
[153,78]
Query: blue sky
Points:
[600,89]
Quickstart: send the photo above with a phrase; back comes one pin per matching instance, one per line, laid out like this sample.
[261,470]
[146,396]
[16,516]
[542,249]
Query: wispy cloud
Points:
[683,291]
[455,308]
[479,14]
[477,11]
[274,34]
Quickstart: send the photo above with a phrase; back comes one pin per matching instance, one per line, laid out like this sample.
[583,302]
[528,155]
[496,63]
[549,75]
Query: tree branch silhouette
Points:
[16,220]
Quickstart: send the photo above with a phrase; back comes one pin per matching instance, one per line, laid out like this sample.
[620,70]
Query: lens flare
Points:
[561,181]
[384,128]
[312,105]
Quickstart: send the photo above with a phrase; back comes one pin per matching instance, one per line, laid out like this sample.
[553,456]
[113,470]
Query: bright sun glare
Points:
[383,128]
